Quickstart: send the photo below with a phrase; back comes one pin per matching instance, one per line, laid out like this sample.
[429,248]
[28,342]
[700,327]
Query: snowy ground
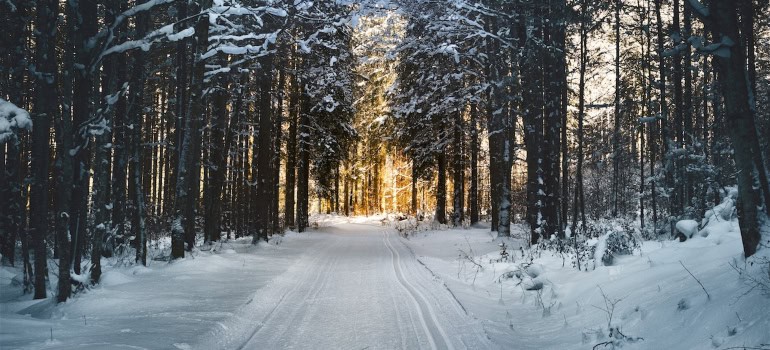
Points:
[655,298]
[355,283]
[163,306]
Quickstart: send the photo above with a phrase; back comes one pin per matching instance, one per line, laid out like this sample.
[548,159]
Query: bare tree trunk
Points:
[303,168]
[459,172]
[100,201]
[414,188]
[663,117]
[220,147]
[12,210]
[183,132]
[135,113]
[441,188]
[677,202]
[196,116]
[85,16]
[554,85]
[291,149]
[277,139]
[740,120]
[495,128]
[265,154]
[473,192]
[533,103]
[579,193]
[616,131]
[687,111]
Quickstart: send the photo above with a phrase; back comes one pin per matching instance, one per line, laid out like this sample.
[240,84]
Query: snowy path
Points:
[360,288]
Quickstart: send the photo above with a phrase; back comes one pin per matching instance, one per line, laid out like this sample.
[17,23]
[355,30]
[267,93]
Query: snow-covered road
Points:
[360,288]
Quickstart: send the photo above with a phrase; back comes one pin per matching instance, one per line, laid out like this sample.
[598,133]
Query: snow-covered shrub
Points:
[617,243]
[689,228]
[584,256]
[577,250]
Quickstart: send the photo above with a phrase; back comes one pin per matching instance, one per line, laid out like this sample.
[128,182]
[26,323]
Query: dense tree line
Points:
[194,119]
[657,142]
[165,118]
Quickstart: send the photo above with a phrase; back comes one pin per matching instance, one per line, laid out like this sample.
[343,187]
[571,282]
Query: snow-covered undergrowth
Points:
[647,300]
[161,306]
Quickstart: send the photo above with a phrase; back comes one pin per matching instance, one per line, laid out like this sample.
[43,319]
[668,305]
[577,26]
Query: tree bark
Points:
[441,188]
[291,150]
[265,152]
[579,203]
[183,132]
[473,192]
[458,214]
[135,114]
[196,116]
[740,121]
[616,131]
[303,166]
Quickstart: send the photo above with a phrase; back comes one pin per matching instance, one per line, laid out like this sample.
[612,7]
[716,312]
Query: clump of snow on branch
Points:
[12,119]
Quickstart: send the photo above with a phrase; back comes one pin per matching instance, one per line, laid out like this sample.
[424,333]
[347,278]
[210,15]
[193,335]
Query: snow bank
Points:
[162,306]
[539,301]
[687,227]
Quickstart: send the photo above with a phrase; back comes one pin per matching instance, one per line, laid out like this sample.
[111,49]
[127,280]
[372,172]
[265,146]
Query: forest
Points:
[128,123]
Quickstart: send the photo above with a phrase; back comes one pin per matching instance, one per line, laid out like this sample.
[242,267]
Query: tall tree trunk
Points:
[579,193]
[440,216]
[459,171]
[303,166]
[277,140]
[12,210]
[183,132]
[538,167]
[678,200]
[196,116]
[414,188]
[135,113]
[747,13]
[740,121]
[473,192]
[689,131]
[291,149]
[101,224]
[616,131]
[554,85]
[495,127]
[265,153]
[662,129]
[219,153]
[85,15]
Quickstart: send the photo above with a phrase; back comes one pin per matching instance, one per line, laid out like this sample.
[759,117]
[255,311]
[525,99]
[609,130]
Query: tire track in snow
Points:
[420,301]
[291,293]
[313,290]
[480,332]
[396,307]
[303,311]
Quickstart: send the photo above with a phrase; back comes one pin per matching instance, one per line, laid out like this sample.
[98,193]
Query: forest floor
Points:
[356,283]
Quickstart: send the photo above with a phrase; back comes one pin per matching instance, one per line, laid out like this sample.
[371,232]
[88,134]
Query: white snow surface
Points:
[687,227]
[355,283]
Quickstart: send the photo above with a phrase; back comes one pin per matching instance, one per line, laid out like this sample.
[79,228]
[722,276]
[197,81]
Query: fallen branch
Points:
[602,344]
[708,296]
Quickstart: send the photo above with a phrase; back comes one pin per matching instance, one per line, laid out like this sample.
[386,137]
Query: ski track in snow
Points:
[359,290]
